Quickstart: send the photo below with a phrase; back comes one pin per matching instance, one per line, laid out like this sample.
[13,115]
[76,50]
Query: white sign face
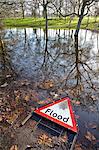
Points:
[60,112]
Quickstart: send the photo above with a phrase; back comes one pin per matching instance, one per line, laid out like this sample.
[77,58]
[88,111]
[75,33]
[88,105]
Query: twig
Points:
[26,119]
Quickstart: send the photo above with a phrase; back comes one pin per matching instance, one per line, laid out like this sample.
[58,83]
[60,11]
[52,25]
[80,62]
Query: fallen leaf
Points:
[21,110]
[55,96]
[52,93]
[13,104]
[89,136]
[63,139]
[46,84]
[28,147]
[43,137]
[41,102]
[78,147]
[17,99]
[1,118]
[93,98]
[92,125]
[12,117]
[16,92]
[27,98]
[24,83]
[8,76]
[14,147]
[4,85]
[45,140]
[49,142]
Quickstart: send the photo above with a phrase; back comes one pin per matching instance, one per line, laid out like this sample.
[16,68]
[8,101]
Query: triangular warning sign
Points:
[59,112]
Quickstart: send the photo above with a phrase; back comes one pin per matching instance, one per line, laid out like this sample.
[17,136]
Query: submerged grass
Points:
[64,23]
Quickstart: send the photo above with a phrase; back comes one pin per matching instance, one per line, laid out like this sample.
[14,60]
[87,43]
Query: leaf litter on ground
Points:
[78,147]
[4,85]
[51,141]
[45,140]
[89,136]
[14,147]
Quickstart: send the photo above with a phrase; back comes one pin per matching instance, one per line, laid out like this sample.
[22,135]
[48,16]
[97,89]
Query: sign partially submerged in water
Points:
[59,112]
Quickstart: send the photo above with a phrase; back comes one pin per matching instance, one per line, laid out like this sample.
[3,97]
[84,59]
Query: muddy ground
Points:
[18,98]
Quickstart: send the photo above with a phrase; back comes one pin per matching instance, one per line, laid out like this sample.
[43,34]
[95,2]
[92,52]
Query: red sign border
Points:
[74,128]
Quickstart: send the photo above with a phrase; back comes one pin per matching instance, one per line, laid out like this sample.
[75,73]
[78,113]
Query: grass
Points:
[54,23]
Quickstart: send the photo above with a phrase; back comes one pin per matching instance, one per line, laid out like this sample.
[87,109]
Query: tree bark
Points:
[80,20]
[46,26]
[76,40]
[44,9]
[78,26]
[23,11]
[22,7]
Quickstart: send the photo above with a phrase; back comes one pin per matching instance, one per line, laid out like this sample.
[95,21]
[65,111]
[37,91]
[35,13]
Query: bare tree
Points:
[84,5]
[45,4]
[6,8]
[22,5]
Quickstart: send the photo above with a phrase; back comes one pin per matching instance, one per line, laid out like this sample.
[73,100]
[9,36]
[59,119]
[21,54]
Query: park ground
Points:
[91,23]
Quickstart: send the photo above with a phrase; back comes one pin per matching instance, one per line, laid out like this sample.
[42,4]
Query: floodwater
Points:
[28,55]
[26,48]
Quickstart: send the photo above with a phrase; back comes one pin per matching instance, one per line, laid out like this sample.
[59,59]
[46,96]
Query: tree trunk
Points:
[78,26]
[46,34]
[44,9]
[76,48]
[76,40]
[25,36]
[60,7]
[23,11]
[77,59]
[46,26]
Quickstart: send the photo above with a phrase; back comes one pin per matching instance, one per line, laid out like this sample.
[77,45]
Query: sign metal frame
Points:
[73,128]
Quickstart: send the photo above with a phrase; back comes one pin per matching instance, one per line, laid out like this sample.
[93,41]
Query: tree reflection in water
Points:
[6,68]
[79,72]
